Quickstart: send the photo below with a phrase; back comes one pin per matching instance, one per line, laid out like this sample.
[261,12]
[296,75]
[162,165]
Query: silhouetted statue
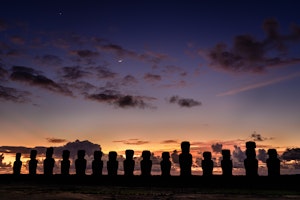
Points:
[165,164]
[146,163]
[226,163]
[97,164]
[49,162]
[33,162]
[251,163]
[65,163]
[80,163]
[112,164]
[207,164]
[17,164]
[185,159]
[273,163]
[129,163]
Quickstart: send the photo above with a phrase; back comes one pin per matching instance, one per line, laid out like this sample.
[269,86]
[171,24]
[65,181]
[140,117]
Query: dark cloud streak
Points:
[184,102]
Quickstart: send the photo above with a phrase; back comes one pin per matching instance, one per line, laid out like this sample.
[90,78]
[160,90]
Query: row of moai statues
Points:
[185,162]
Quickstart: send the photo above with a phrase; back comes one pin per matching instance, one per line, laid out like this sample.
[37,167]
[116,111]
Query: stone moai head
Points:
[146,155]
[112,155]
[18,156]
[97,155]
[226,153]
[207,155]
[185,147]
[49,152]
[272,153]
[250,145]
[33,154]
[165,155]
[129,154]
[66,154]
[81,154]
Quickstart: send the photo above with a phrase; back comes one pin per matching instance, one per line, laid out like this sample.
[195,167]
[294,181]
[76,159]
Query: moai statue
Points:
[33,162]
[129,163]
[49,162]
[65,163]
[112,164]
[97,164]
[207,164]
[17,164]
[251,163]
[146,163]
[226,163]
[165,164]
[273,163]
[80,163]
[185,159]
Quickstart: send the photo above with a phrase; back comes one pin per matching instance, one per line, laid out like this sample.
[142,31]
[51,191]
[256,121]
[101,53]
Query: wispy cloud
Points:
[184,102]
[132,141]
[13,95]
[56,140]
[259,85]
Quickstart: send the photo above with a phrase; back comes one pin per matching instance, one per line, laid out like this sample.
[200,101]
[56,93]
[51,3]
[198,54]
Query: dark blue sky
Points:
[149,74]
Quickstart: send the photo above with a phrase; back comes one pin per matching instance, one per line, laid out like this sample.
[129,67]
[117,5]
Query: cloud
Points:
[175,156]
[13,95]
[49,59]
[120,52]
[129,80]
[184,102]
[56,140]
[259,85]
[85,53]
[169,142]
[17,40]
[119,100]
[248,54]
[291,154]
[32,77]
[104,73]
[262,155]
[83,86]
[73,73]
[3,72]
[258,137]
[238,155]
[152,77]
[217,147]
[132,142]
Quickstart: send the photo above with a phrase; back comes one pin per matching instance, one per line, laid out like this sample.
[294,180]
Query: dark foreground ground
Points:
[148,188]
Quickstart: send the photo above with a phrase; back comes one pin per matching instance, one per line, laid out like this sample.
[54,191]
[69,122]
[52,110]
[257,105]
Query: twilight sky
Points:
[150,74]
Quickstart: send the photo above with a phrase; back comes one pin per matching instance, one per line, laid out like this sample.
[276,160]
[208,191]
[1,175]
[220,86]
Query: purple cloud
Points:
[248,54]
[184,102]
